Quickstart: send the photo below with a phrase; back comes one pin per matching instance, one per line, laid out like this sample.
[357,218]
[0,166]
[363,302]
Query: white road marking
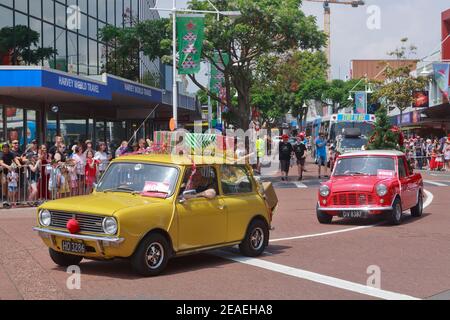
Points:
[299,185]
[439,184]
[316,277]
[427,202]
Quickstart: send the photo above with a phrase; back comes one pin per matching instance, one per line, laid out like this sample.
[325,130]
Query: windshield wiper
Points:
[355,173]
[120,189]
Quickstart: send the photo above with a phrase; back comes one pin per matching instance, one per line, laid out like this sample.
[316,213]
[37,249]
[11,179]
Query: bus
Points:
[339,122]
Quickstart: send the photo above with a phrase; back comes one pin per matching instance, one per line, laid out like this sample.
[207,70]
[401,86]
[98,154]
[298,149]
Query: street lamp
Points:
[174,10]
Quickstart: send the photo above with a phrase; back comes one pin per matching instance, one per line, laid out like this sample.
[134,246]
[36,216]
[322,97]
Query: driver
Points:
[203,186]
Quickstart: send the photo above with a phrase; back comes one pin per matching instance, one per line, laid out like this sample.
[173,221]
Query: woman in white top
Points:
[79,159]
[102,156]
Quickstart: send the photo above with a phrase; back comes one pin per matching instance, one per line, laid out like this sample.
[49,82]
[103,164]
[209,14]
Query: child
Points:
[90,170]
[54,173]
[73,177]
[64,188]
[13,178]
[33,176]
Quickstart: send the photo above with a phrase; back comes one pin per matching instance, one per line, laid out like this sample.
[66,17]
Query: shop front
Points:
[39,103]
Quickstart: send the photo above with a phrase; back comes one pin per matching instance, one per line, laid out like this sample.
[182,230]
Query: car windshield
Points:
[364,166]
[139,178]
[353,143]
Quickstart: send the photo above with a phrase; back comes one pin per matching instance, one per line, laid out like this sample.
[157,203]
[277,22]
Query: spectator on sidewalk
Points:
[300,153]
[321,153]
[285,153]
[260,152]
[102,157]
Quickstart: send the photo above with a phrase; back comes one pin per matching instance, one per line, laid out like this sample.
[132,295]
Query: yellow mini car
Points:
[149,208]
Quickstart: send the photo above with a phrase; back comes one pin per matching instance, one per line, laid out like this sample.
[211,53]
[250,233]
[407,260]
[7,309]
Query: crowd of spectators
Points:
[429,153]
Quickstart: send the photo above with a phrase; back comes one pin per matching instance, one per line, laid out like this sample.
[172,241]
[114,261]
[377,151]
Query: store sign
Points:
[130,89]
[421,99]
[353,117]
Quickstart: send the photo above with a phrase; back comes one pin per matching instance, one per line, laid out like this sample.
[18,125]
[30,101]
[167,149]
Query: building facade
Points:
[69,93]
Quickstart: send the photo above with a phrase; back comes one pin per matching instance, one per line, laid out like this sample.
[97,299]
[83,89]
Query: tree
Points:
[399,86]
[18,42]
[264,27]
[384,137]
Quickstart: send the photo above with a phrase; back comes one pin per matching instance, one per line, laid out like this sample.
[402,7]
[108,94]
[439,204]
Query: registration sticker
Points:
[385,173]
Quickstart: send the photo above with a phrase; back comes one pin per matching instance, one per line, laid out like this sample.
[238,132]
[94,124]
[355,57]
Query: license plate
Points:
[73,247]
[354,214]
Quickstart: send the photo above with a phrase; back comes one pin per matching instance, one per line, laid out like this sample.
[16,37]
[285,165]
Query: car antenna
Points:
[150,114]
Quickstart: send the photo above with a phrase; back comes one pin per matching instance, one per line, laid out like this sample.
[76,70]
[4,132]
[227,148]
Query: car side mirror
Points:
[187,194]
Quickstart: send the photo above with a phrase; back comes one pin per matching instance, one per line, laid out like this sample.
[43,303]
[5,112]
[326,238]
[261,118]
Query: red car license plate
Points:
[354,214]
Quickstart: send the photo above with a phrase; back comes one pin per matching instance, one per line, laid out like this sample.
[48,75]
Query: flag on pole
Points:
[441,74]
[217,78]
[190,31]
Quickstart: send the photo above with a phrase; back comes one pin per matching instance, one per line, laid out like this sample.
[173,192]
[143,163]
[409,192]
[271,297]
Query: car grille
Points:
[88,223]
[353,199]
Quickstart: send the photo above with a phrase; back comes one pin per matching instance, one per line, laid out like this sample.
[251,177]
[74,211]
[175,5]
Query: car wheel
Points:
[152,255]
[64,259]
[256,239]
[395,216]
[418,209]
[323,217]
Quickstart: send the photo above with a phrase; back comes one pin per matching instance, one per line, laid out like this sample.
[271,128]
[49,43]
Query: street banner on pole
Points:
[360,102]
[190,32]
[441,74]
[217,78]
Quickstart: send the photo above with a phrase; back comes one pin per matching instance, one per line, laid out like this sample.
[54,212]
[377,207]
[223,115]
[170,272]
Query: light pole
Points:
[174,10]
[367,91]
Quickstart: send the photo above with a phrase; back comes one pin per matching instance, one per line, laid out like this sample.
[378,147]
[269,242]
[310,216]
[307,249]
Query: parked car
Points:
[150,208]
[368,183]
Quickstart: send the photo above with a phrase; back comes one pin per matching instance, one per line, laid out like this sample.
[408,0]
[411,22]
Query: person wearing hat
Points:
[300,153]
[6,162]
[321,153]
[285,153]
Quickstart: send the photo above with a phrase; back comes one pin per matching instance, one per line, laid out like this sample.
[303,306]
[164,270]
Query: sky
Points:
[418,20]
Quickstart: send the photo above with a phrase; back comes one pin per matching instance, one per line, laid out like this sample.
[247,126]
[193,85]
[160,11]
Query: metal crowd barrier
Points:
[30,185]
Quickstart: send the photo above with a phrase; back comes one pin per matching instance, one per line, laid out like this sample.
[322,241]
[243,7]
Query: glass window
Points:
[93,58]
[83,5]
[60,15]
[102,10]
[1,124]
[93,8]
[35,25]
[401,168]
[21,19]
[49,10]
[115,134]
[93,28]
[363,166]
[50,131]
[83,25]
[100,130]
[134,10]
[14,124]
[204,178]
[22,5]
[83,55]
[6,18]
[8,3]
[31,126]
[35,8]
[119,13]
[72,54]
[48,41]
[102,56]
[111,11]
[73,129]
[127,12]
[235,179]
[61,59]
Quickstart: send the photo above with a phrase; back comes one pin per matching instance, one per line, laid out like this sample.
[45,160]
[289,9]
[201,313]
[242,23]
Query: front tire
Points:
[418,209]
[395,216]
[323,218]
[64,259]
[152,255]
[256,239]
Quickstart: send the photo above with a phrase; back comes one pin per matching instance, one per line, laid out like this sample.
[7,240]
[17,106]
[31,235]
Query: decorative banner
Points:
[441,75]
[217,78]
[421,99]
[361,102]
[190,30]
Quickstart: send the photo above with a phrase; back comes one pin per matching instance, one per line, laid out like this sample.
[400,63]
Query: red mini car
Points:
[366,183]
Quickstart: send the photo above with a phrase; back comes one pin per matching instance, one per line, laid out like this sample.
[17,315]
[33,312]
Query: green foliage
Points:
[383,137]
[20,41]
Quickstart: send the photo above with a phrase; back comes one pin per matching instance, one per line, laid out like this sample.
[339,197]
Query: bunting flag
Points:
[441,75]
[360,102]
[190,31]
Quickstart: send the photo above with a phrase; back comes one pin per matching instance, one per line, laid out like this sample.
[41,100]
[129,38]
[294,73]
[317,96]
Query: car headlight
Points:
[381,190]
[45,218]
[109,225]
[324,191]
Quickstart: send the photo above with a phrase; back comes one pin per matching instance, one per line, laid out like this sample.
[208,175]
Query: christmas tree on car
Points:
[385,136]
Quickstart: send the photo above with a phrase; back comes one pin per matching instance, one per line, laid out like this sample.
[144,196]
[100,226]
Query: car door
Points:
[241,200]
[407,185]
[201,222]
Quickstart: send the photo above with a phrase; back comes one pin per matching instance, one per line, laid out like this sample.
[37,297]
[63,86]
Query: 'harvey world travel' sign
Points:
[78,84]
[136,89]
